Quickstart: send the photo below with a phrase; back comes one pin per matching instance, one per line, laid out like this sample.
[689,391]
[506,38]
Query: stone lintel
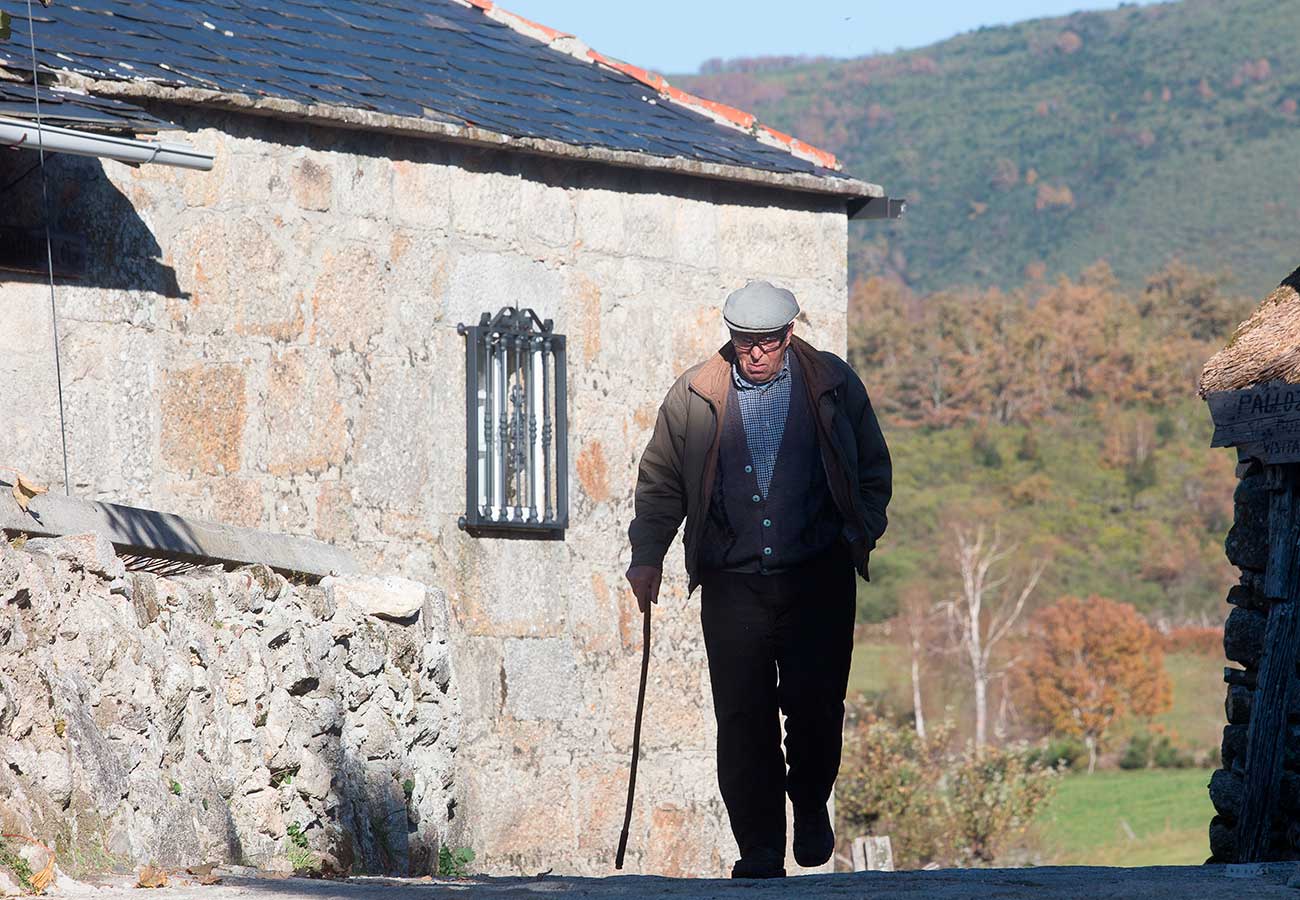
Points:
[145,532]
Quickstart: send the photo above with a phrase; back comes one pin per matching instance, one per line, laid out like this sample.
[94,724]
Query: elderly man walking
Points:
[771,453]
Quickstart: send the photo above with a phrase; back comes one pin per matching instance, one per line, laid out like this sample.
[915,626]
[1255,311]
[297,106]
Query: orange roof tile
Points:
[719,112]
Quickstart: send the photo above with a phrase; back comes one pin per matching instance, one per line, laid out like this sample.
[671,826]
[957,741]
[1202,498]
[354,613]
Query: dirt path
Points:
[1164,883]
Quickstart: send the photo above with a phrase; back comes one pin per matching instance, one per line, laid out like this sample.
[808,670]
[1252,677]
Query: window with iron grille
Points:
[517,462]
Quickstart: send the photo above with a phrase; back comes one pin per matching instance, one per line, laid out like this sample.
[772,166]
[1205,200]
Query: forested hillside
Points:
[1063,416]
[1132,136]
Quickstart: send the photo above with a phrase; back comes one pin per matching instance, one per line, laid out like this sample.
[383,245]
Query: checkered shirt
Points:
[763,408]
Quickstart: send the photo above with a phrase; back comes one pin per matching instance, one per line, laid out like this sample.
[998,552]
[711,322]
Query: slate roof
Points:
[438,60]
[75,110]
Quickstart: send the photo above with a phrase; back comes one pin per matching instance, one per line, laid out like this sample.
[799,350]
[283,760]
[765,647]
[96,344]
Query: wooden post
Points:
[1266,736]
[859,854]
[880,854]
[872,853]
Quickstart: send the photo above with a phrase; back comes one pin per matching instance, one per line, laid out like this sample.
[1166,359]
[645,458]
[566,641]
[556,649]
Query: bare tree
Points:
[917,615]
[1008,713]
[985,610]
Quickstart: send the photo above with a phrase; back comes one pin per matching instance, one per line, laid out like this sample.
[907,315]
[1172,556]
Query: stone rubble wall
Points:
[197,718]
[273,344]
[1243,643]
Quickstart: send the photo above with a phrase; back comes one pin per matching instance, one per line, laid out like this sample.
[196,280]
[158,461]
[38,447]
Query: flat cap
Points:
[759,307]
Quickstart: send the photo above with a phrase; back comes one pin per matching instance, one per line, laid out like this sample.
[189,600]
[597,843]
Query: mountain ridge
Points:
[1026,151]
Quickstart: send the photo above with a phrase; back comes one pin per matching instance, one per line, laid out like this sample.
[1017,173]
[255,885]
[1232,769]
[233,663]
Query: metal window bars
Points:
[516,461]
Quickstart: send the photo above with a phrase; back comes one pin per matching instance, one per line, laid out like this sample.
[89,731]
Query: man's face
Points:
[759,356]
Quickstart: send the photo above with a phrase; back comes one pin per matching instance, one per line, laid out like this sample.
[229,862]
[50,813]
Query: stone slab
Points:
[387,597]
[145,532]
[1049,883]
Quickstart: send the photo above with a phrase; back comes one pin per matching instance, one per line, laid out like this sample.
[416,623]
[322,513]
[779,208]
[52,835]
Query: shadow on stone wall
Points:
[131,526]
[90,218]
[227,717]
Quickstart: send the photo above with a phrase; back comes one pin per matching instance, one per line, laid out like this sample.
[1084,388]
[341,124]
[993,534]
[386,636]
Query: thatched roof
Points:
[1264,348]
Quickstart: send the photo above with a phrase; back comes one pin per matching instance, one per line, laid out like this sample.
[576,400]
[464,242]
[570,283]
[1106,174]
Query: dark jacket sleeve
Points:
[875,470]
[660,503]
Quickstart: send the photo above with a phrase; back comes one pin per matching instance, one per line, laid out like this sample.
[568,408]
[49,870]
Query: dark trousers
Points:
[778,644]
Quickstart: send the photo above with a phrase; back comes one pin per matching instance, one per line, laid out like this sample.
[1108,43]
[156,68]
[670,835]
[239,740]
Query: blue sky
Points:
[674,36]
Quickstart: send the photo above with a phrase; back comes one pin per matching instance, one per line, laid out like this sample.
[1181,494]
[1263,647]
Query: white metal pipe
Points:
[483,500]
[499,447]
[22,133]
[535,402]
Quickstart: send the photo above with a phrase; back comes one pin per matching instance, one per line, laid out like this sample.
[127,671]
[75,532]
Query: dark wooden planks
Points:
[1263,422]
[1266,741]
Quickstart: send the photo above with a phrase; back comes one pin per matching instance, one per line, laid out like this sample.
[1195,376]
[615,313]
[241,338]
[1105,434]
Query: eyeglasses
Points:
[765,342]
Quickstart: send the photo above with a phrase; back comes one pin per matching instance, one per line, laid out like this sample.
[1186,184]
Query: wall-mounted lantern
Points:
[517,461]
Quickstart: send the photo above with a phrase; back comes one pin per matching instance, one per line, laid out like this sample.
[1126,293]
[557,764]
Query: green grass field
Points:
[880,668]
[1112,817]
[1197,717]
[1153,817]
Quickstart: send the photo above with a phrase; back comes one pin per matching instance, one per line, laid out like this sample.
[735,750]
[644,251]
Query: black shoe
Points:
[760,864]
[814,839]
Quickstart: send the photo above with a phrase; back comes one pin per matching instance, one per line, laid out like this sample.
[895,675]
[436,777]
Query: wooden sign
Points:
[23,250]
[1261,422]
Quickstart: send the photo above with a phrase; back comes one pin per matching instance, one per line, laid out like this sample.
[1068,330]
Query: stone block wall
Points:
[274,344]
[198,718]
[1244,644]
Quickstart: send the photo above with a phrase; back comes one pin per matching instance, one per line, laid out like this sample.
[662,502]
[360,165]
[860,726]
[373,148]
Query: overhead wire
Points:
[49,248]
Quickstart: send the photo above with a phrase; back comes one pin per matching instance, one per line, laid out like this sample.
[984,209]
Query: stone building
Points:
[1253,389]
[274,343]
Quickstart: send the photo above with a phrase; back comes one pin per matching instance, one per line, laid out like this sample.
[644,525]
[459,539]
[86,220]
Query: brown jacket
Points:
[681,460]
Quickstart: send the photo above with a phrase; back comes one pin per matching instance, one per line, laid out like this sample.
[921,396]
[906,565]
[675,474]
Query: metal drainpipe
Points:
[19,133]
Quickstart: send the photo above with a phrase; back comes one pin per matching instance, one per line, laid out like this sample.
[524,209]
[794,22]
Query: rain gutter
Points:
[29,135]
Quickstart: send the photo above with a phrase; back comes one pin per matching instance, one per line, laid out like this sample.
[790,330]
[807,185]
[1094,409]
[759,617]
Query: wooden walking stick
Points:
[636,735]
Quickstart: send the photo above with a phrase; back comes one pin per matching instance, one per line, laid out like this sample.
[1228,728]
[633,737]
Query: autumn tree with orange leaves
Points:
[1088,662]
[966,355]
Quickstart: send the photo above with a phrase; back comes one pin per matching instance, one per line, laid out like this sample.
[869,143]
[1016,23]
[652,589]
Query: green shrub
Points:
[1165,754]
[296,836]
[1166,429]
[1146,750]
[298,852]
[1028,451]
[1140,475]
[454,863]
[1060,753]
[1137,753]
[937,805]
[9,859]
[889,785]
[992,797]
[984,450]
